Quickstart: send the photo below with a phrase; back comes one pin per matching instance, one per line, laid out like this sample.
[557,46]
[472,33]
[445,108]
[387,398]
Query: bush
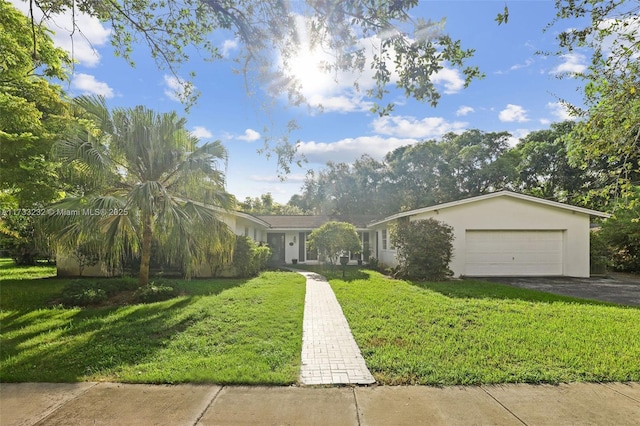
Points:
[249,258]
[333,239]
[599,253]
[86,292]
[424,249]
[154,292]
[22,240]
[621,233]
[83,293]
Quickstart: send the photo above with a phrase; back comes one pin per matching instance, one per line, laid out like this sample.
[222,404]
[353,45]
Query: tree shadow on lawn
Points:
[92,342]
[71,345]
[476,289]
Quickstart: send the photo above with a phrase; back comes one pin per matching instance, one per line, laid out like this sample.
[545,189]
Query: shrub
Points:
[85,254]
[154,292]
[82,293]
[87,292]
[621,233]
[261,257]
[599,253]
[424,249]
[21,239]
[249,258]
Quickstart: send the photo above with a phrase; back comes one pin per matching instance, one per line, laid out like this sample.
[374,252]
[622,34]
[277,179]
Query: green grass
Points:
[249,332]
[221,331]
[25,287]
[472,332]
[8,270]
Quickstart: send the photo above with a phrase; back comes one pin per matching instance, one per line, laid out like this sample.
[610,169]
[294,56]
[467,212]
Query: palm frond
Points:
[95,107]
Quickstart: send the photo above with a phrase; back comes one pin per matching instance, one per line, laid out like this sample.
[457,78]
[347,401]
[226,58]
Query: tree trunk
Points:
[145,258]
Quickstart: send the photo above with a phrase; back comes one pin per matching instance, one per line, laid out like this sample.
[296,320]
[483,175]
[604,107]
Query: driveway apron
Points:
[330,355]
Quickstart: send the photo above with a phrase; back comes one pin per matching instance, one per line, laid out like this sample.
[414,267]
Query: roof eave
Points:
[488,196]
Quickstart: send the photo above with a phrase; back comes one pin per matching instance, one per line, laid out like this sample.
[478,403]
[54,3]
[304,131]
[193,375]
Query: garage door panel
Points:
[514,252]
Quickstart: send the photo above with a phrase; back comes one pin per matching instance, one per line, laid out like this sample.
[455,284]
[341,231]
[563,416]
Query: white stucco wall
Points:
[67,266]
[386,257]
[508,213]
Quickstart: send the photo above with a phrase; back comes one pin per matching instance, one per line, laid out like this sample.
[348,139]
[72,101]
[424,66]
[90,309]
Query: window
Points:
[255,234]
[384,239]
[246,231]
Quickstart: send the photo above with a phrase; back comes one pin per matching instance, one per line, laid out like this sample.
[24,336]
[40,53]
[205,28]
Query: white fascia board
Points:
[488,196]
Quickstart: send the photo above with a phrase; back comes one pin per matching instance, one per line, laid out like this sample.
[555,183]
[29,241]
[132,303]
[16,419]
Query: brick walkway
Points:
[330,355]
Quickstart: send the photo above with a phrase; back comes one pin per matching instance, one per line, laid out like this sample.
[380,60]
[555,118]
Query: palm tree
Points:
[145,180]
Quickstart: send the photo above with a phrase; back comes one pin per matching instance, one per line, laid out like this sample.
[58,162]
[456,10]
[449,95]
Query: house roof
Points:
[504,193]
[313,221]
[237,213]
[251,217]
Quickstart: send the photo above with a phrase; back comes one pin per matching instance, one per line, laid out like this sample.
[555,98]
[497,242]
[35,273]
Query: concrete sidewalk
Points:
[127,404]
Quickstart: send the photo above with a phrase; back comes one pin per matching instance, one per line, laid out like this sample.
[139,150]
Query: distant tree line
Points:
[458,166]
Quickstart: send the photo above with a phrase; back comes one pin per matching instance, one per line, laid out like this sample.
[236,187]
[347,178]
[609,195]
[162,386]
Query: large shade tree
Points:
[152,183]
[33,111]
[611,126]
[544,169]
[33,114]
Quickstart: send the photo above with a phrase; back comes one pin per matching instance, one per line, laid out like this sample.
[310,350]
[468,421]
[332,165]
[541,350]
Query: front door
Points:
[276,243]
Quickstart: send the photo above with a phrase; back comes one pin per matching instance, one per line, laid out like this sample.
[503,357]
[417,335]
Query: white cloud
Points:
[228,46]
[451,80]
[293,177]
[411,127]
[89,34]
[559,111]
[516,135]
[349,149]
[622,31]
[249,135]
[513,113]
[527,63]
[573,63]
[464,110]
[201,132]
[340,103]
[88,85]
[175,88]
[545,121]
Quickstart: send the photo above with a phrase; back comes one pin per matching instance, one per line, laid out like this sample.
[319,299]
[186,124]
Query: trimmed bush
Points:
[333,239]
[249,258]
[424,249]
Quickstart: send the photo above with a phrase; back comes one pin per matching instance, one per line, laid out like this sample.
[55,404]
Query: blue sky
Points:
[519,94]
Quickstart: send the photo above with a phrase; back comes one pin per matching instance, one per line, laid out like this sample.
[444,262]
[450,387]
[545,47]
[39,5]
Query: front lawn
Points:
[219,331]
[472,332]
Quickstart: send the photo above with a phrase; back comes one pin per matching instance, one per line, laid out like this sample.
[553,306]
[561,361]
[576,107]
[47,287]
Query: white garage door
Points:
[513,253]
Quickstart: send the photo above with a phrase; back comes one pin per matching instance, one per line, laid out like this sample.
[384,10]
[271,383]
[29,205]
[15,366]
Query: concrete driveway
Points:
[616,287]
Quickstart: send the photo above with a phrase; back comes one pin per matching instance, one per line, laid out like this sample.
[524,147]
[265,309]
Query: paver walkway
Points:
[330,355]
